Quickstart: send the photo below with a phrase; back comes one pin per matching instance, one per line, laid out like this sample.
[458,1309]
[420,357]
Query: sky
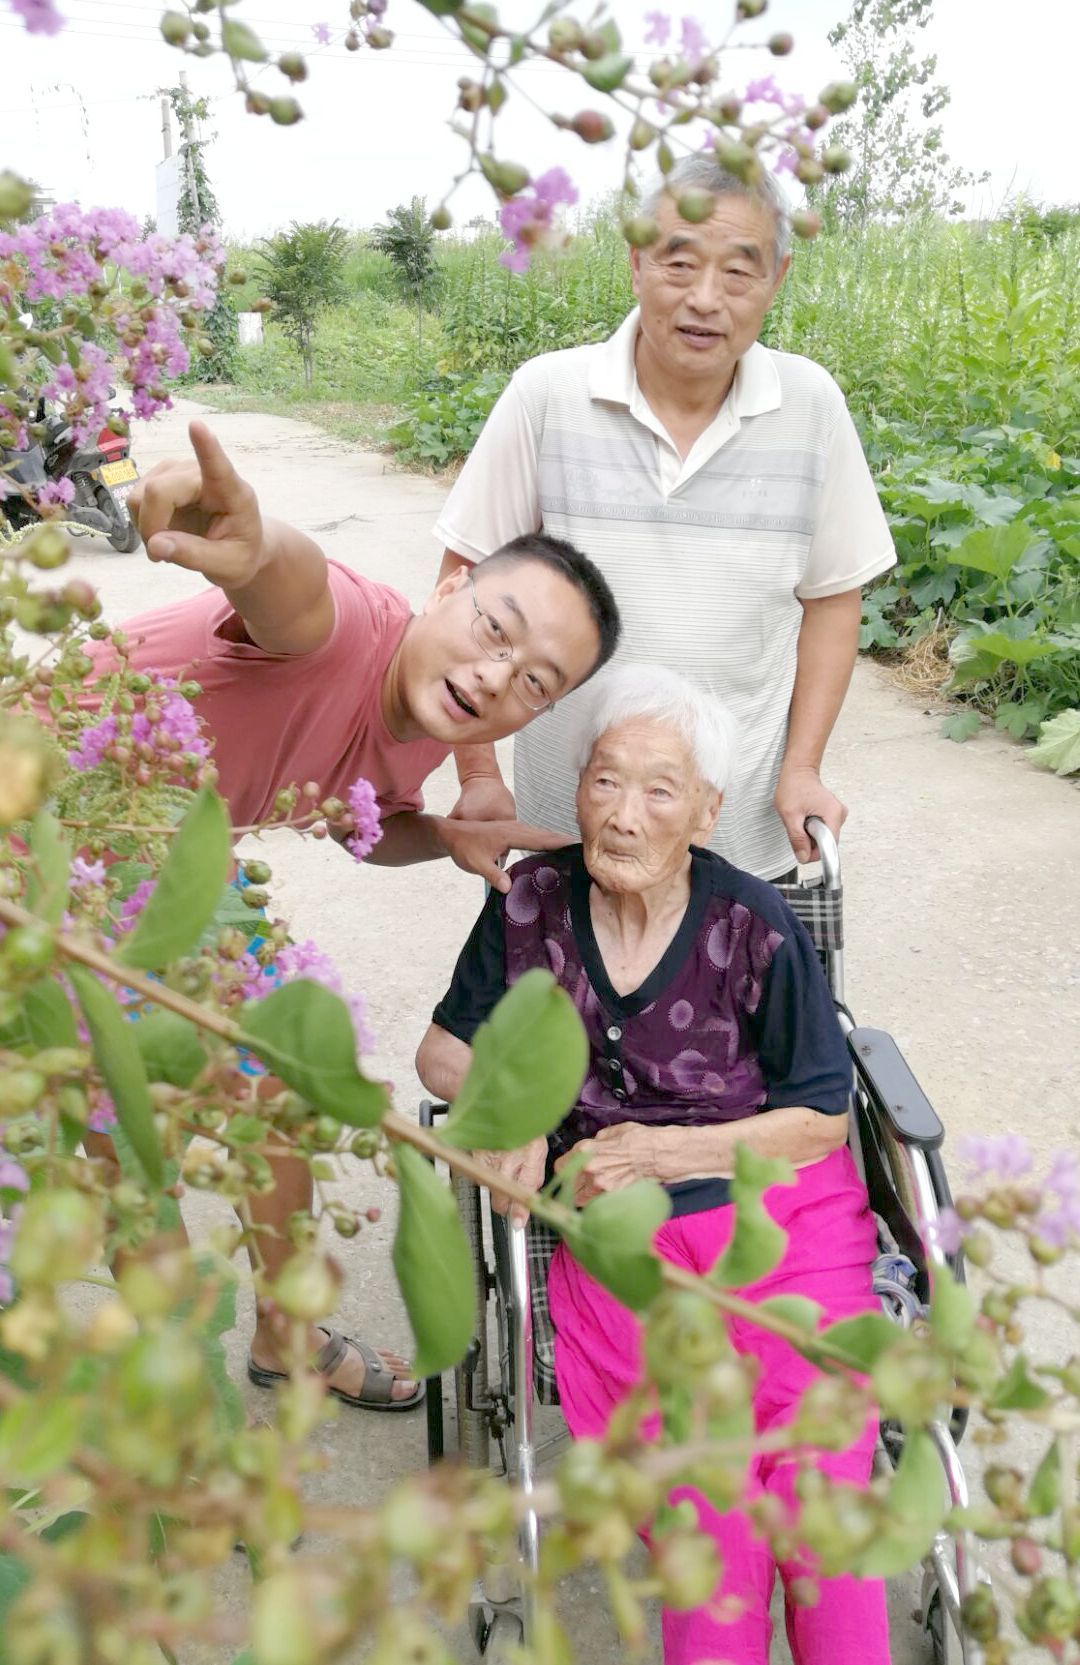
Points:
[79,112]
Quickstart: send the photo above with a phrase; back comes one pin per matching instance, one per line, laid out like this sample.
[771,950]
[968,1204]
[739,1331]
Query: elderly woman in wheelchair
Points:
[710,1023]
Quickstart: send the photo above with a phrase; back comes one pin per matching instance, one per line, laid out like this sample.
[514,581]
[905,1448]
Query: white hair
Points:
[702,172]
[650,692]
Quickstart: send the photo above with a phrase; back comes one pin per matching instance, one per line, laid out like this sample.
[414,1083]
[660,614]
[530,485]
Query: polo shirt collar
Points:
[613,378]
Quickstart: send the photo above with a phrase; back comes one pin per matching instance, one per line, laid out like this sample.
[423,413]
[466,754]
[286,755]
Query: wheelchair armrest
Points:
[887,1078]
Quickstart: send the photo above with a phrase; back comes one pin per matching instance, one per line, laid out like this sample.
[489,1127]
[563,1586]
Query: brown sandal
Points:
[377,1391]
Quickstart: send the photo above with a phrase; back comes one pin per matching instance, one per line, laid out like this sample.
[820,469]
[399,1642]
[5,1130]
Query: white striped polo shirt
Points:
[708,557]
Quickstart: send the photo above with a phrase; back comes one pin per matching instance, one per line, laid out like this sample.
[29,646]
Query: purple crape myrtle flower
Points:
[1003,1156]
[57,491]
[102,1117]
[85,873]
[1059,1220]
[947,1231]
[307,959]
[13,1177]
[94,742]
[765,90]
[40,17]
[529,218]
[657,28]
[693,41]
[367,824]
[321,31]
[132,906]
[67,253]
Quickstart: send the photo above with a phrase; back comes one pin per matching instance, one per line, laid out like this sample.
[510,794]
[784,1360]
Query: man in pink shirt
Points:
[311,672]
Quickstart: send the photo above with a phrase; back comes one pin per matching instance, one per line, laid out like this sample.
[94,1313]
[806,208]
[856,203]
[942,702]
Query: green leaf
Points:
[188,888]
[757,1243]
[862,1339]
[608,73]
[612,1238]
[433,1265]
[14,1577]
[37,1440]
[1010,650]
[528,1062]
[48,888]
[1044,1493]
[794,1309]
[915,1509]
[1020,720]
[1016,1390]
[1058,745]
[241,42]
[995,549]
[305,1034]
[117,1055]
[477,38]
[961,726]
[952,1310]
[48,1014]
[170,1048]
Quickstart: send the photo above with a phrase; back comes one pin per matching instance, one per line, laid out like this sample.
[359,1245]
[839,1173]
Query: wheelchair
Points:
[508,1373]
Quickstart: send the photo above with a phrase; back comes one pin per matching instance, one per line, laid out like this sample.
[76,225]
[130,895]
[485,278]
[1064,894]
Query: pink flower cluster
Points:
[56,491]
[528,219]
[40,17]
[367,824]
[13,1179]
[147,283]
[307,959]
[166,729]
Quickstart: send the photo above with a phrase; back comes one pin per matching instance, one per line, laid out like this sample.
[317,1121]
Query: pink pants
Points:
[831,1245]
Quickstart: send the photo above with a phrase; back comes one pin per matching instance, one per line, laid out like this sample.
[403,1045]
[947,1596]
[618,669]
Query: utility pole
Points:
[166,129]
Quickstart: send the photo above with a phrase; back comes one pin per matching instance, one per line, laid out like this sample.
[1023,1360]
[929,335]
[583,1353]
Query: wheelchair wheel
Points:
[473,1433]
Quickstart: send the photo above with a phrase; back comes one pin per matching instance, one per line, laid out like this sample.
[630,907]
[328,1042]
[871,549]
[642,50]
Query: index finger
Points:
[214,464]
[522,836]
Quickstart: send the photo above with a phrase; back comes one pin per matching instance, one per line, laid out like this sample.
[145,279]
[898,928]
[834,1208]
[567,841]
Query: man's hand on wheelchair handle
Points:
[800,792]
[480,846]
[525,1165]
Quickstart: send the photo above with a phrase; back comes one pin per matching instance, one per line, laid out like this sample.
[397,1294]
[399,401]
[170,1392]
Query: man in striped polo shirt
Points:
[722,490]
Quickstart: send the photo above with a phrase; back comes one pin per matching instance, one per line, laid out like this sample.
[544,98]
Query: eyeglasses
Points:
[491,639]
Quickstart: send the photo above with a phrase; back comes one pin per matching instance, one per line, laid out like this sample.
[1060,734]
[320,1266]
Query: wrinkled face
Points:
[641,803]
[705,289]
[455,691]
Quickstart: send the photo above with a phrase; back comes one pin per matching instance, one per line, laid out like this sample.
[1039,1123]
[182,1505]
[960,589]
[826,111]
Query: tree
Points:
[409,240]
[196,208]
[302,270]
[899,166]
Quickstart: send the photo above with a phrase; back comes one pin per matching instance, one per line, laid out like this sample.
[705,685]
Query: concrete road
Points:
[962,872]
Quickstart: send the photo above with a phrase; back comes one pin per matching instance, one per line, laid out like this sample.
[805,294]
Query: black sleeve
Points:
[801,1046]
[479,980]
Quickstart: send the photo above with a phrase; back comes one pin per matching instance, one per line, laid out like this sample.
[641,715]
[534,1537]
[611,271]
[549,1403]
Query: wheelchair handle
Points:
[828,849]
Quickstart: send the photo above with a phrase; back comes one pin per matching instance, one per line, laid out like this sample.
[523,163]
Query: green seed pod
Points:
[564,35]
[307,1287]
[291,64]
[365,1144]
[640,231]
[257,872]
[641,135]
[441,219]
[285,112]
[20,1090]
[47,549]
[838,96]
[29,947]
[805,224]
[695,206]
[835,159]
[58,1238]
[688,1568]
[176,28]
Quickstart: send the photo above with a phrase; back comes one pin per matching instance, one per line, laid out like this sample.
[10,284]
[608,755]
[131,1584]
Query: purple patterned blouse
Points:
[735,1018]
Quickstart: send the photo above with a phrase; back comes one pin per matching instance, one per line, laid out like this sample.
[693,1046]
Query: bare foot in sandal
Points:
[356,1373]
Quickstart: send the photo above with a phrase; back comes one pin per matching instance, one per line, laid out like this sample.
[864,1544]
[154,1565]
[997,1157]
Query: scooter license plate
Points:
[119,473]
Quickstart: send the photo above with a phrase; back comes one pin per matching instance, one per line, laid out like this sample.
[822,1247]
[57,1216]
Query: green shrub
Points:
[444,417]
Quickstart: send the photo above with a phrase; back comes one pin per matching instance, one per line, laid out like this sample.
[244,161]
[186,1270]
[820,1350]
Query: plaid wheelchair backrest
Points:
[822,913]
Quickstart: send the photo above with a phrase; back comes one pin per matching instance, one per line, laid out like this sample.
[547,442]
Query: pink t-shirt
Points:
[278,719]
